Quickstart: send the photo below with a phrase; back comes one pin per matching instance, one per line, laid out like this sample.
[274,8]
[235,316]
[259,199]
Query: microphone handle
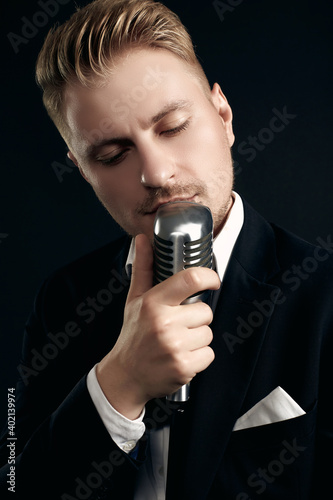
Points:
[181,395]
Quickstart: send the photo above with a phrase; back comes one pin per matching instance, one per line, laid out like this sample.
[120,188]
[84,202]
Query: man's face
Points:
[149,136]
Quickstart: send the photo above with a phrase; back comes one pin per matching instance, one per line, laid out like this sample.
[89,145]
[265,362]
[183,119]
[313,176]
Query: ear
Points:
[224,110]
[74,160]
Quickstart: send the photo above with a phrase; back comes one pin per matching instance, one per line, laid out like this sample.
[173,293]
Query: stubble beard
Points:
[209,190]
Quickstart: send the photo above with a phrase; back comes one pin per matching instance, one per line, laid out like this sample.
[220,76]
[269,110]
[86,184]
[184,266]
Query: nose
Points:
[157,170]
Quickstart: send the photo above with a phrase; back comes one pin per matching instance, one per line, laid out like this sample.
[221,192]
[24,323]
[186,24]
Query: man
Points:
[122,84]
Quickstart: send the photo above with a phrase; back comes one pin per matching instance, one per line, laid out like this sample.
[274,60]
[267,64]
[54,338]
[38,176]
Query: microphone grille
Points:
[163,259]
[199,252]
[183,238]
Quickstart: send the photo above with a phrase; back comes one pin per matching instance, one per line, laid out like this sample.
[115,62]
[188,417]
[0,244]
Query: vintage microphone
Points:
[183,238]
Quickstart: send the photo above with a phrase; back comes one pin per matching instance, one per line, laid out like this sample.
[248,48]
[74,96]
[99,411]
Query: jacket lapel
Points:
[201,431]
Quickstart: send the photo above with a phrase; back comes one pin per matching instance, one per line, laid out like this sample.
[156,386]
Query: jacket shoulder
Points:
[94,264]
[67,286]
[98,259]
[295,251]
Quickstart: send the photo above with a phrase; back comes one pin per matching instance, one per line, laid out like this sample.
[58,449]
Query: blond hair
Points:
[84,47]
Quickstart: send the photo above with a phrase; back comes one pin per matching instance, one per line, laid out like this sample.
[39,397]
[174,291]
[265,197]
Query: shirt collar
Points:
[223,243]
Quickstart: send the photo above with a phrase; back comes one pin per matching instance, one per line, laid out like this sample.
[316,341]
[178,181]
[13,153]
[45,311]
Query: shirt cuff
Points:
[124,432]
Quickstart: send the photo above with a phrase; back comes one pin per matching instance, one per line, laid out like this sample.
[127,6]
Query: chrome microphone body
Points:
[183,238]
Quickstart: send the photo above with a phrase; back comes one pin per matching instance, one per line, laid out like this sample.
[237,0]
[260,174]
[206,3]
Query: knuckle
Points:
[160,329]
[154,315]
[181,367]
[174,347]
[207,312]
[147,305]
[193,278]
[162,325]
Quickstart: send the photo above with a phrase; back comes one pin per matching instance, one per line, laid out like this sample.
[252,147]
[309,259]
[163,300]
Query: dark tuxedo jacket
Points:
[272,327]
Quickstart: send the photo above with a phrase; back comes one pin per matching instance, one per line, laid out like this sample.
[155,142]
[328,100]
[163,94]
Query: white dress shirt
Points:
[126,433]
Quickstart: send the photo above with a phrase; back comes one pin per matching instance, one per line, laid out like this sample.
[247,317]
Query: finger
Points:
[200,359]
[192,315]
[174,290]
[142,270]
[197,338]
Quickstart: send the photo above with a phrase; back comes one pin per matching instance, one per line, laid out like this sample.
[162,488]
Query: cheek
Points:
[208,147]
[113,184]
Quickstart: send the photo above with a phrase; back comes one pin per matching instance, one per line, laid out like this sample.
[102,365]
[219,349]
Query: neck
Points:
[219,228]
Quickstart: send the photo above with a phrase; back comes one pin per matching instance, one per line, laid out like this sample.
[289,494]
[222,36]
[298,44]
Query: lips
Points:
[163,202]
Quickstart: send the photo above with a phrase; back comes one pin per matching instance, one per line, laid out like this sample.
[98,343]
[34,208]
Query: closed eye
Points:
[119,157]
[176,130]
[113,160]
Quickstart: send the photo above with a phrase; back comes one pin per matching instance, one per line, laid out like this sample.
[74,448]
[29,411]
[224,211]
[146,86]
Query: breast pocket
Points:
[271,461]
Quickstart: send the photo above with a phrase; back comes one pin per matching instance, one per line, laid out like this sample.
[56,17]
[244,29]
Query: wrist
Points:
[119,389]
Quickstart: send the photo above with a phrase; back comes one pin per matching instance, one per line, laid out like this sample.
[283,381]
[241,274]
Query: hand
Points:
[163,344]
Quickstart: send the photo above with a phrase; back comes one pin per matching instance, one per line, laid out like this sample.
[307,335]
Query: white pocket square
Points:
[277,406]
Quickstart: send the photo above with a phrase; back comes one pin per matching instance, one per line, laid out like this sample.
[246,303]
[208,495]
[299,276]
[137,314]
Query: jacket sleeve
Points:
[71,455]
[62,449]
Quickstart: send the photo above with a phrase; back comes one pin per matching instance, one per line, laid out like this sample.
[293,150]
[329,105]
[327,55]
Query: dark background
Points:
[266,55]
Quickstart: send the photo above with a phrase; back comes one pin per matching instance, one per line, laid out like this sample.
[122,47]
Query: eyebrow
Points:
[125,142]
[169,108]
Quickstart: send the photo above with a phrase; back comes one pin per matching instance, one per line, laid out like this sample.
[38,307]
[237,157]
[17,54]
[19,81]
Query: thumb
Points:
[142,270]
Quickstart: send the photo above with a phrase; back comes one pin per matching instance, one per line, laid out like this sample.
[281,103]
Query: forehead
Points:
[140,84]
